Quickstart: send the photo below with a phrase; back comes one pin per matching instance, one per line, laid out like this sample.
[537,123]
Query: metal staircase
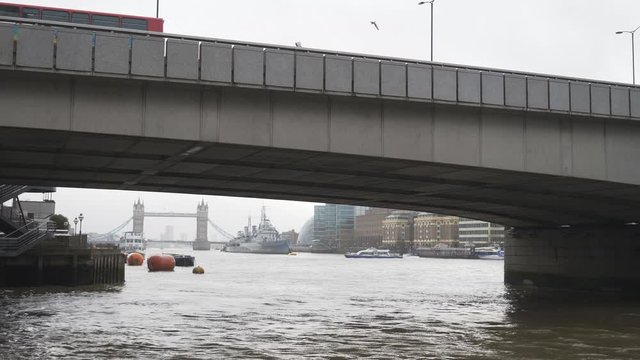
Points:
[9,223]
[18,234]
[8,192]
[25,238]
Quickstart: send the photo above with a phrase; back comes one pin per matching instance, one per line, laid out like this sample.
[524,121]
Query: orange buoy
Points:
[161,263]
[135,259]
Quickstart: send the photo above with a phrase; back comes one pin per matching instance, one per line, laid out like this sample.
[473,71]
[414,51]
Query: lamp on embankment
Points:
[633,50]
[81,217]
[430,3]
[75,225]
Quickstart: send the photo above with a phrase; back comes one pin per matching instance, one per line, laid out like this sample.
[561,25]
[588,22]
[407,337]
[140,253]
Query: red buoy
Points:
[161,263]
[135,259]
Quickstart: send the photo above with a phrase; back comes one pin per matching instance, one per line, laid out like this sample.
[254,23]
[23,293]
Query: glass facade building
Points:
[333,225]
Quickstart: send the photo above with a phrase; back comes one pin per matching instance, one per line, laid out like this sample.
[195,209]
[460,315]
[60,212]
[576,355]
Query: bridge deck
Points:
[105,52]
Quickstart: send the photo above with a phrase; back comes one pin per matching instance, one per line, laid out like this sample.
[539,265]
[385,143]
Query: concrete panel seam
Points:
[380,79]
[353,76]
[406,81]
[481,93]
[295,70]
[324,73]
[233,64]
[570,104]
[264,70]
[590,101]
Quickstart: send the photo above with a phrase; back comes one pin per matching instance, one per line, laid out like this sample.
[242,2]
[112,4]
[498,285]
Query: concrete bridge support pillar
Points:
[585,259]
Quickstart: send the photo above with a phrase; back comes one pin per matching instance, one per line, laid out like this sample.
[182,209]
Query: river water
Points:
[316,306]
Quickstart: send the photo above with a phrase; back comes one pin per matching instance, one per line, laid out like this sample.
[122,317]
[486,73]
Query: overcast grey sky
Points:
[561,37]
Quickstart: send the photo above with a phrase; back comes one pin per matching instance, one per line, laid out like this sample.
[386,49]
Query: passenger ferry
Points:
[373,253]
[489,253]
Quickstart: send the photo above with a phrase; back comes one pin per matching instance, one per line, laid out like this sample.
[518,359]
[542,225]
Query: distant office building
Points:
[430,230]
[333,225]
[290,236]
[476,232]
[398,230]
[168,233]
[368,228]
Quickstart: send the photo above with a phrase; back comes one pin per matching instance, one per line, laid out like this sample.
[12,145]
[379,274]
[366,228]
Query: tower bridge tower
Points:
[138,217]
[202,217]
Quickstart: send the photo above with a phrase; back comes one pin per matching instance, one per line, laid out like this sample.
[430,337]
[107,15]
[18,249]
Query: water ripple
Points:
[263,307]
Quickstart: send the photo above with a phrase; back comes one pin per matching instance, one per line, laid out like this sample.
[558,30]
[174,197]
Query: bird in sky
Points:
[298,44]
[374,24]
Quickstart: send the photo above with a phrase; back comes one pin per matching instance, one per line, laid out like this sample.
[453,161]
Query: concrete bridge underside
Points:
[108,109]
[515,168]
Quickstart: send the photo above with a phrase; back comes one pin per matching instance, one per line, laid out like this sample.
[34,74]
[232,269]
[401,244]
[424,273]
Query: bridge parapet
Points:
[108,52]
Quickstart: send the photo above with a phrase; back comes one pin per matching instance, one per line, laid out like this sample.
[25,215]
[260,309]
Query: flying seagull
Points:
[374,24]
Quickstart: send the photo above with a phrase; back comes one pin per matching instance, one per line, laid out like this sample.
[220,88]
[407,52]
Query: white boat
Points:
[489,253]
[132,242]
[373,253]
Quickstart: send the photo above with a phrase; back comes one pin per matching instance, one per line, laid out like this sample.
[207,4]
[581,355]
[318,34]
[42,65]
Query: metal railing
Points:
[180,58]
[11,246]
[8,192]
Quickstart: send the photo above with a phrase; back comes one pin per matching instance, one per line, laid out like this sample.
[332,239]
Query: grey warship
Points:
[263,239]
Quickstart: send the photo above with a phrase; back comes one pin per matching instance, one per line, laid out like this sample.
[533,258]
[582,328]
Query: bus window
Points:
[79,18]
[30,13]
[6,10]
[136,24]
[105,20]
[55,15]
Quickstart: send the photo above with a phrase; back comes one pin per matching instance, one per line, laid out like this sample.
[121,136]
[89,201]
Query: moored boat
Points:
[133,242]
[183,260]
[373,253]
[263,239]
[445,252]
[489,253]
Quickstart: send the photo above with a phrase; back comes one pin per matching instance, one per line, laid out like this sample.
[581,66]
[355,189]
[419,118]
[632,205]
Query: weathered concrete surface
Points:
[511,167]
[586,259]
[212,61]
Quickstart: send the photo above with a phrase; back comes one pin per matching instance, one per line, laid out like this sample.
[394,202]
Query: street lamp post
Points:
[75,225]
[157,8]
[633,50]
[81,217]
[430,2]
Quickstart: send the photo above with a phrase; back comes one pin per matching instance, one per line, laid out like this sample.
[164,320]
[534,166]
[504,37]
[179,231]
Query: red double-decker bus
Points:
[81,17]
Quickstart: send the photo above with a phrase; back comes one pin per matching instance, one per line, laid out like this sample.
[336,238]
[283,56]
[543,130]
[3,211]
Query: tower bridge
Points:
[201,215]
